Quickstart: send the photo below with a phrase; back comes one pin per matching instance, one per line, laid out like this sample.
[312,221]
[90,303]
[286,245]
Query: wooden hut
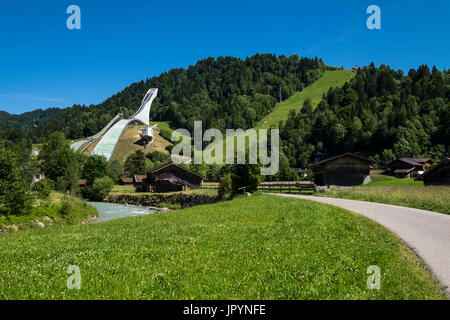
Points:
[346,169]
[410,167]
[438,174]
[170,177]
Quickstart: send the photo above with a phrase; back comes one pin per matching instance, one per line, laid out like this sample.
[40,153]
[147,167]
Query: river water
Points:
[110,211]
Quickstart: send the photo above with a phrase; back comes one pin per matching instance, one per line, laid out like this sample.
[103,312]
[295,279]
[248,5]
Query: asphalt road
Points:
[426,232]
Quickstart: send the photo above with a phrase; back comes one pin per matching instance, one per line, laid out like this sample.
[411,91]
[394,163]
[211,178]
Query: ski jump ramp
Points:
[109,136]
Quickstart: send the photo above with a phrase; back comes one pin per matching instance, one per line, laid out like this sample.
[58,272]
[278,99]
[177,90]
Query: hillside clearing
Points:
[336,78]
[259,247]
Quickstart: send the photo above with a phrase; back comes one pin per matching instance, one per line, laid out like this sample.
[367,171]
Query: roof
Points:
[410,161]
[421,160]
[171,164]
[440,164]
[82,182]
[340,156]
[404,170]
[127,179]
[139,177]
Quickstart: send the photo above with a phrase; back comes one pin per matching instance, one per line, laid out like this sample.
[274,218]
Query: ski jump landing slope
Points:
[109,139]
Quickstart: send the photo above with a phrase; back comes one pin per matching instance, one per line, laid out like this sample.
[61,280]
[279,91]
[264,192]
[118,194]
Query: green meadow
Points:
[258,247]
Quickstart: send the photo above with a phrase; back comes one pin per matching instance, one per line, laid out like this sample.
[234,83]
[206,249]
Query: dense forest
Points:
[224,93]
[28,120]
[381,113]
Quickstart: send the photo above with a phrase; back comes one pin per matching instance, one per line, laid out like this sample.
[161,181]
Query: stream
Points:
[110,211]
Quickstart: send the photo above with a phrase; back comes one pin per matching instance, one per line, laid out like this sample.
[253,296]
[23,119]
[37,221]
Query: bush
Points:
[99,189]
[43,188]
[225,187]
[245,175]
[65,206]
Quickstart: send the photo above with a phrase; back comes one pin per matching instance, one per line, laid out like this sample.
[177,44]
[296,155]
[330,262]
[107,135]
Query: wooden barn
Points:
[410,167]
[170,177]
[438,174]
[346,169]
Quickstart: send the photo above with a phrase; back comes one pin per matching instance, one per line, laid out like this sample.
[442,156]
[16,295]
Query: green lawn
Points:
[380,180]
[434,198]
[314,92]
[259,247]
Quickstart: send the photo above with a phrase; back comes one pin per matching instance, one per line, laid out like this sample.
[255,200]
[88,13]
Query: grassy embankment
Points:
[400,192]
[259,247]
[130,190]
[379,180]
[427,198]
[56,210]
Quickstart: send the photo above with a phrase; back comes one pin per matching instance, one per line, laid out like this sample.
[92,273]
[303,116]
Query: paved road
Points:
[426,232]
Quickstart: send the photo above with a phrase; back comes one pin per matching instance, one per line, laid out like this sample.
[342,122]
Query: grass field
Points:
[427,198]
[314,92]
[379,180]
[259,247]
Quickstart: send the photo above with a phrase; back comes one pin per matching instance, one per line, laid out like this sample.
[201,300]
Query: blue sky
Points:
[43,64]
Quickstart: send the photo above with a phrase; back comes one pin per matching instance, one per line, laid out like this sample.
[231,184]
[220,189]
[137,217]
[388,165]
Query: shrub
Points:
[245,175]
[225,187]
[99,190]
[43,188]
[65,206]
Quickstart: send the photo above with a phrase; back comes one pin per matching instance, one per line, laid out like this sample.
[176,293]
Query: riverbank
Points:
[57,210]
[178,200]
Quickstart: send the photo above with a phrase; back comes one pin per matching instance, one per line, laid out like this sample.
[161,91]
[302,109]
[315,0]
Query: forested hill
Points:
[224,93]
[381,113]
[28,120]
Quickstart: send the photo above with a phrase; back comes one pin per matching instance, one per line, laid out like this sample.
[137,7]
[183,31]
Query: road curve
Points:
[426,232]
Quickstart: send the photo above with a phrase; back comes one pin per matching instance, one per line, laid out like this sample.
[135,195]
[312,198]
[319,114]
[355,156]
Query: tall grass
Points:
[433,198]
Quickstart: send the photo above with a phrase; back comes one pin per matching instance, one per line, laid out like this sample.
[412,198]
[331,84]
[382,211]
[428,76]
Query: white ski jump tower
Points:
[110,134]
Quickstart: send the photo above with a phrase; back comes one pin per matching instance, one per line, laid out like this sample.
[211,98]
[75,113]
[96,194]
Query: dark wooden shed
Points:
[346,169]
[438,174]
[171,177]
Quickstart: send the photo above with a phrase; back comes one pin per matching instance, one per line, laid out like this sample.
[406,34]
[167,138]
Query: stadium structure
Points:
[109,136]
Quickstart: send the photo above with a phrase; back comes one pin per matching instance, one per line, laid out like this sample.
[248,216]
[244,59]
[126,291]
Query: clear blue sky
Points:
[43,64]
